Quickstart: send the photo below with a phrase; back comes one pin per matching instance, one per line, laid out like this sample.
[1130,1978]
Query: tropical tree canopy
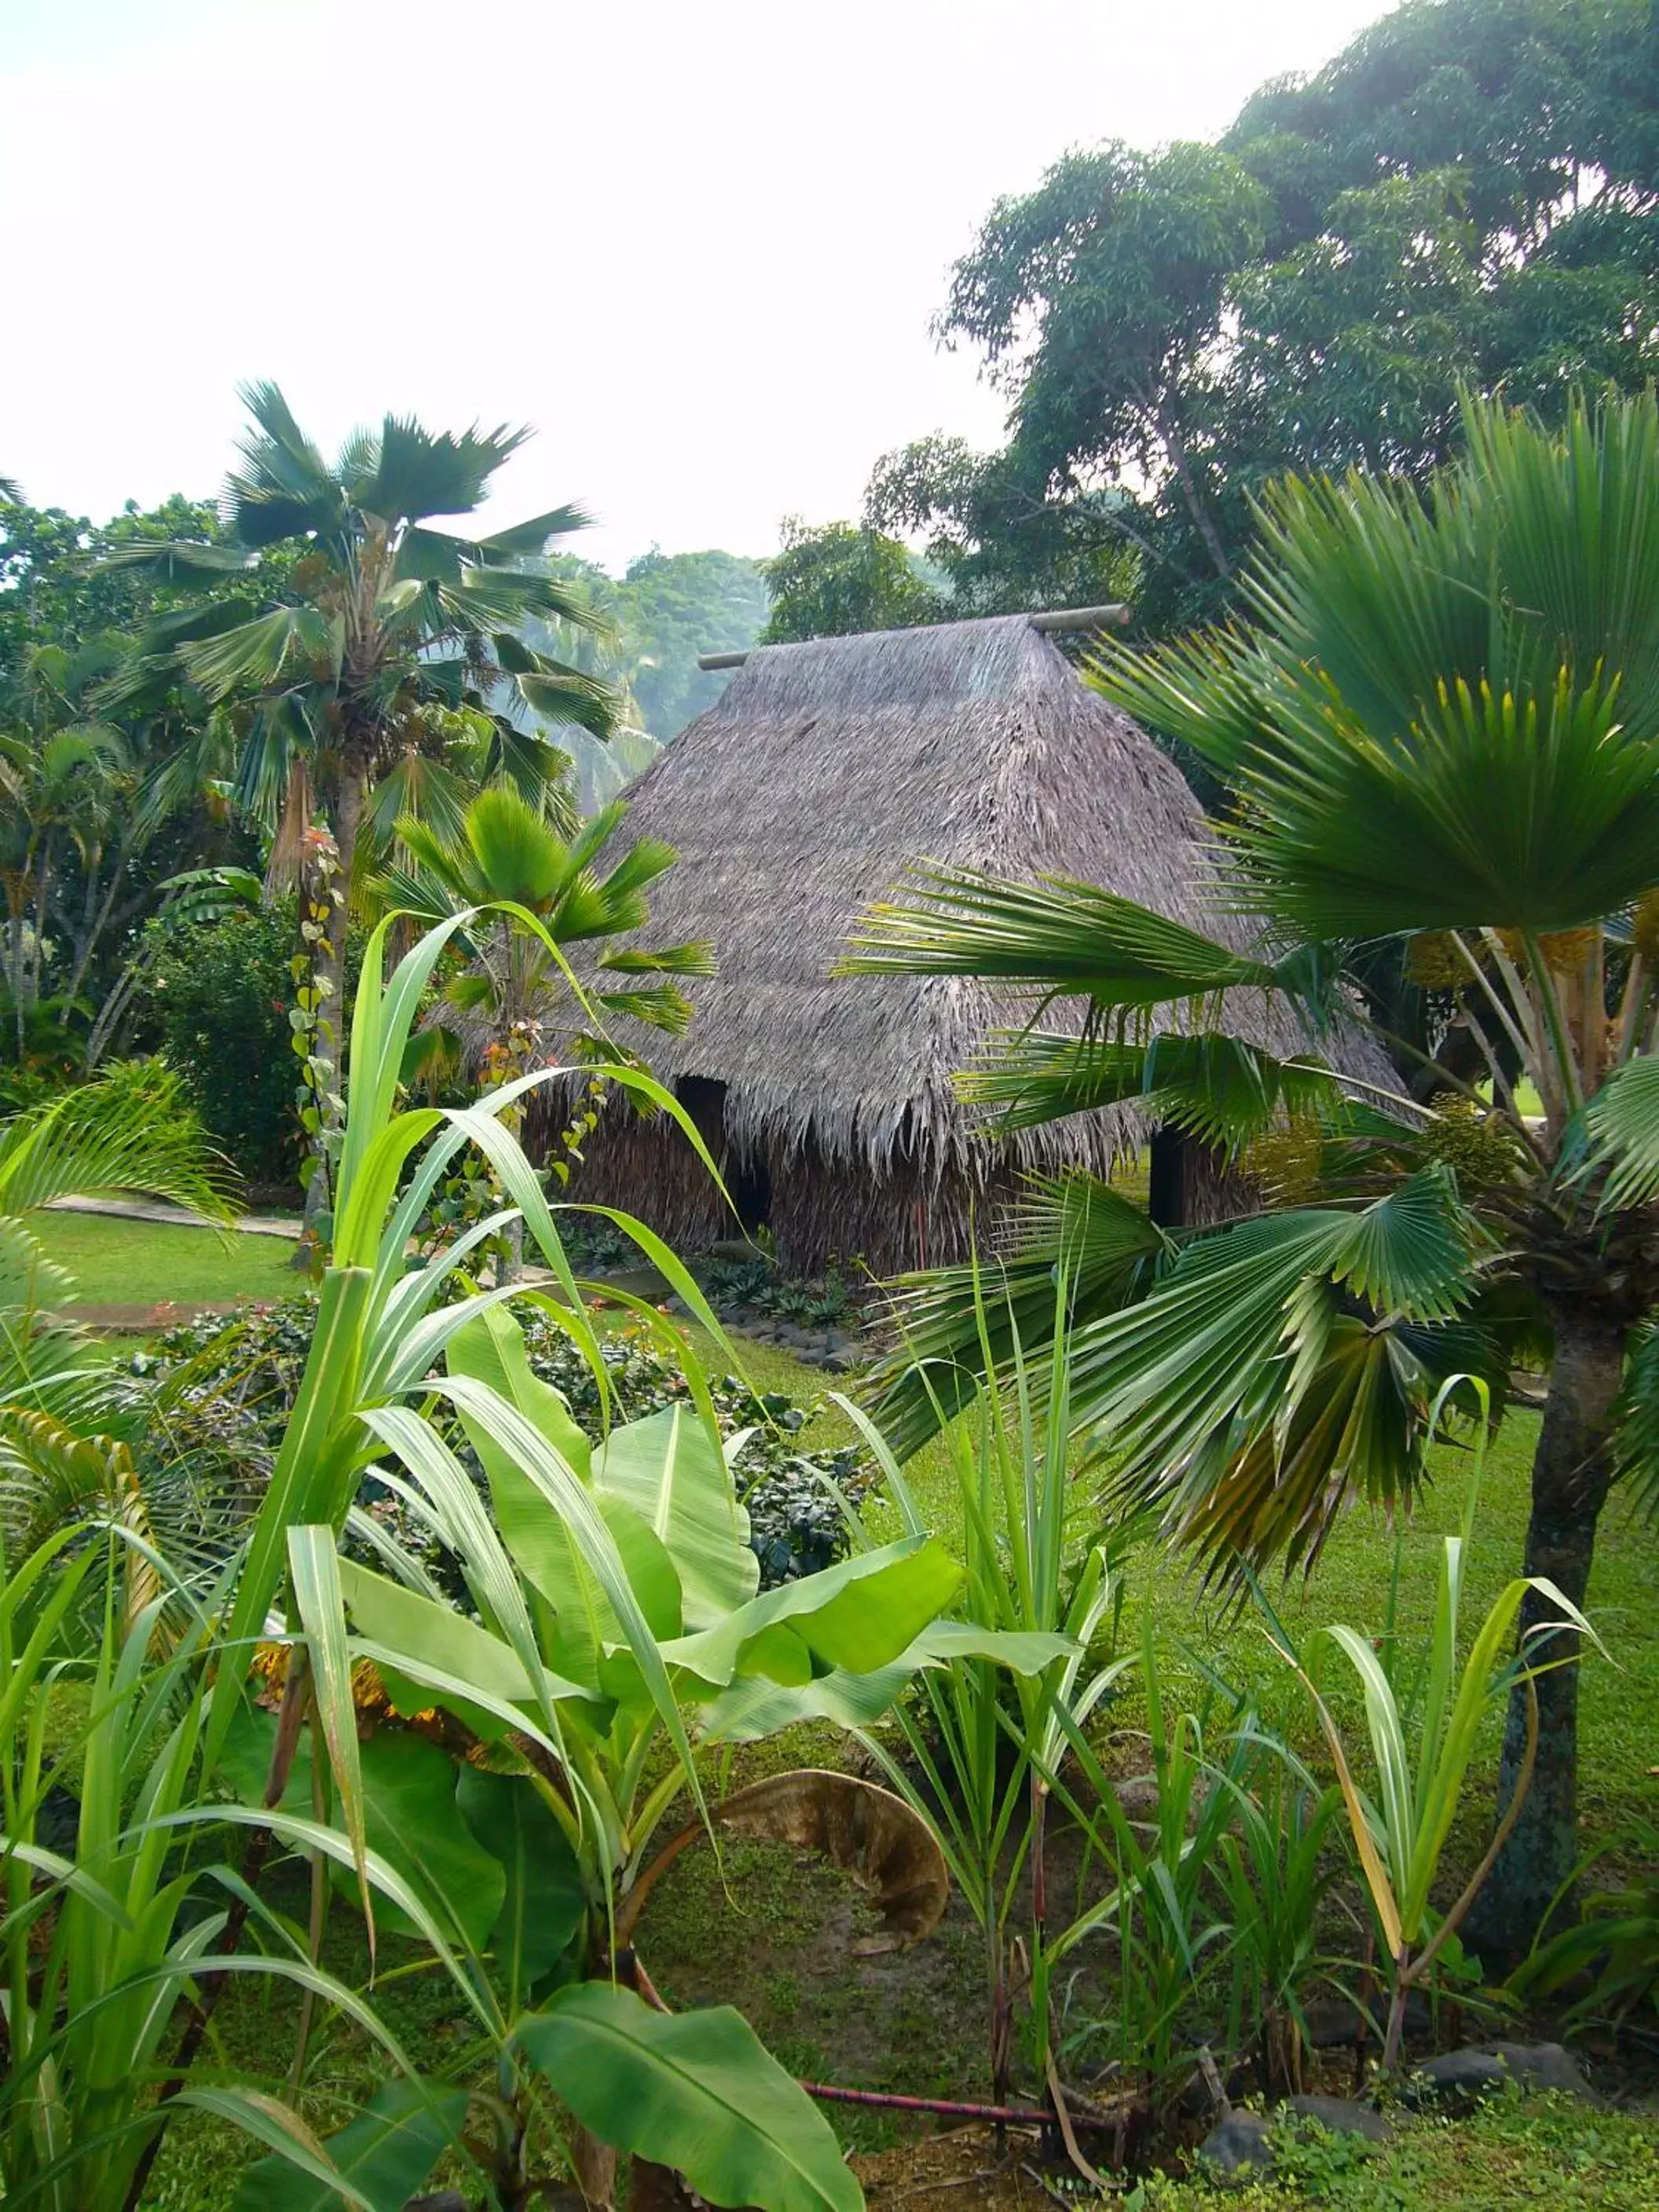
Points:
[1440,732]
[838,580]
[1464,195]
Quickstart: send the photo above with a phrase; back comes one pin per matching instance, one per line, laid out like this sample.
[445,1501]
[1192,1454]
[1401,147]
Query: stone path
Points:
[145,1209]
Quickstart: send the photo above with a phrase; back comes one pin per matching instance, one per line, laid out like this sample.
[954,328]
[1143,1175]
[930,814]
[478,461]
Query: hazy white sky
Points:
[698,247]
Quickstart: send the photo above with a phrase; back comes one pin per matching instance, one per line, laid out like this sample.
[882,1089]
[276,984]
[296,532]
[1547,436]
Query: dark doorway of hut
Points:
[1189,1184]
[748,1180]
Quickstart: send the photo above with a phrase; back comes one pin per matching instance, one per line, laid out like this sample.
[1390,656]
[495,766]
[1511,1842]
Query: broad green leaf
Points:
[546,1552]
[753,1706]
[491,1349]
[400,1620]
[543,1543]
[696,2091]
[857,1615]
[672,1471]
[544,1902]
[246,1762]
[409,1795]
[410,1819]
[383,2156]
[573,1505]
[1022,1650]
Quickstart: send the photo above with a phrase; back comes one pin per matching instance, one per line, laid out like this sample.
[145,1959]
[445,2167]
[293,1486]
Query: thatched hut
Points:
[824,771]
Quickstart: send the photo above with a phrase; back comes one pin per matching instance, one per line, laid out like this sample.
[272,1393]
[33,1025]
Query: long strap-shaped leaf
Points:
[313,1568]
[314,1462]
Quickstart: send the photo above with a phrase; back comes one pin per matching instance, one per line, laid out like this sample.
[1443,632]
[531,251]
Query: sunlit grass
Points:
[115,1261]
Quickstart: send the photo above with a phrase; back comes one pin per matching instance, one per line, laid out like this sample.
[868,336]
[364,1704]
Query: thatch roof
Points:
[824,772]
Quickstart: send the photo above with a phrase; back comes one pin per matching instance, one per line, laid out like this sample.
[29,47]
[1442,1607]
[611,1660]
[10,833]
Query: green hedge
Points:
[216,1003]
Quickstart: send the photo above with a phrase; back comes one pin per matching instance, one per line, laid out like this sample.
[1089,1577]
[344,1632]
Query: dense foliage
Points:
[673,606]
[838,580]
[94,818]
[231,1385]
[214,999]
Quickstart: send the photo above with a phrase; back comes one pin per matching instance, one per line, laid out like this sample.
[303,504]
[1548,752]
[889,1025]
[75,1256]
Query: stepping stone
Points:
[1242,2145]
[1461,2076]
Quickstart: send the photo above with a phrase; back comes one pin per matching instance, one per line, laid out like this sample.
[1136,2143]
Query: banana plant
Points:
[615,1620]
[615,1624]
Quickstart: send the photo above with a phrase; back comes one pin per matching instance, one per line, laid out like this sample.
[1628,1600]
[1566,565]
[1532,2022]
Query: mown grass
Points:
[115,1261]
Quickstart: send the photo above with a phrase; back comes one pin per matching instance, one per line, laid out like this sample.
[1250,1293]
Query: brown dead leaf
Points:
[863,1829]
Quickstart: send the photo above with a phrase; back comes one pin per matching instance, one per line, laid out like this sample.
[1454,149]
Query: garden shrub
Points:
[248,1370]
[216,1001]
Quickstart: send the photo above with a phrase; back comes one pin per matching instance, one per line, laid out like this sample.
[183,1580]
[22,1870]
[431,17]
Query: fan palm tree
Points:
[388,620]
[510,855]
[389,625]
[1441,733]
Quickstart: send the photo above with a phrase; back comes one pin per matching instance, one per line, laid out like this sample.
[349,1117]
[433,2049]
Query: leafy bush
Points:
[216,1001]
[827,1301]
[247,1370]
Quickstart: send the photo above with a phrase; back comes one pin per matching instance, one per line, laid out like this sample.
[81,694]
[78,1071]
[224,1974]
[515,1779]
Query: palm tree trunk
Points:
[348,821]
[1572,1471]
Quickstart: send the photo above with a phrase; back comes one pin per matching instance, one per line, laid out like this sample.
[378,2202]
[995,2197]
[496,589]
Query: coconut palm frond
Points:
[132,1131]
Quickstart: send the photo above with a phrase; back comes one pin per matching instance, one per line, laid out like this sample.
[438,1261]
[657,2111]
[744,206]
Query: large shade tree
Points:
[1441,733]
[1465,194]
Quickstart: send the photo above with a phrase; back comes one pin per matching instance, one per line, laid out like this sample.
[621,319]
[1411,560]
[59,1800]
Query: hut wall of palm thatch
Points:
[823,774]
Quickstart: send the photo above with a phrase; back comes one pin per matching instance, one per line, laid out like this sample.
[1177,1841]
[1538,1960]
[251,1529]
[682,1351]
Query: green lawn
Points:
[1620,1702]
[130,1263]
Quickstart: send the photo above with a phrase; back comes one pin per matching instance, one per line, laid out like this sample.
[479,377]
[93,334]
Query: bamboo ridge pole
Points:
[1048,620]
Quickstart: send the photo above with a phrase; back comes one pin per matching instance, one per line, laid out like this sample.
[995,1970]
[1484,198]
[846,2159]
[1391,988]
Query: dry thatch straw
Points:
[824,772]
